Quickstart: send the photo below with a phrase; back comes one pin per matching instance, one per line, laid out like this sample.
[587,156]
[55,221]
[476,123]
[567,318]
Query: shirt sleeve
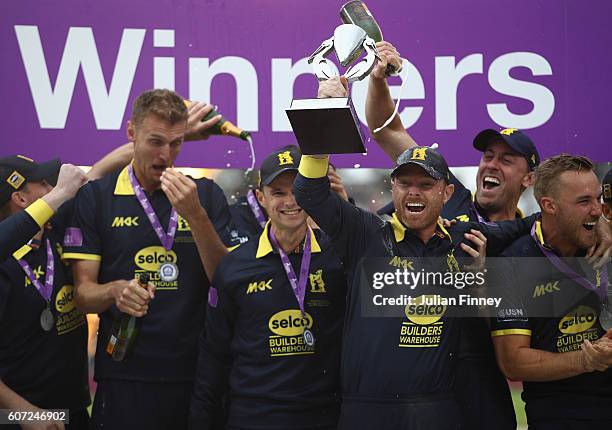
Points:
[82,240]
[215,358]
[18,229]
[511,316]
[458,206]
[215,203]
[347,225]
[5,291]
[501,234]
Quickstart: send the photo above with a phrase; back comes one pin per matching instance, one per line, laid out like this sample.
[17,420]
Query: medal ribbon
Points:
[255,208]
[166,239]
[298,287]
[602,291]
[478,216]
[46,289]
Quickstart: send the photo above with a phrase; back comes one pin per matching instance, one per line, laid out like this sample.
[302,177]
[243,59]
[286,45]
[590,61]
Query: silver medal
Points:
[46,319]
[168,272]
[605,317]
[309,337]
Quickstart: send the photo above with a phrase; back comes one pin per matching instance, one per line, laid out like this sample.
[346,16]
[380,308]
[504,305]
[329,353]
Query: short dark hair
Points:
[547,174]
[166,104]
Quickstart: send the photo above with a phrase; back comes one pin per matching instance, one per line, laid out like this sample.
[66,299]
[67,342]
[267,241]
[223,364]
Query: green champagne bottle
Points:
[357,13]
[223,127]
[125,330]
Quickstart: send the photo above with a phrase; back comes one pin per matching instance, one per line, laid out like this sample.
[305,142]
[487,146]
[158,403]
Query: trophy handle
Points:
[365,66]
[320,65]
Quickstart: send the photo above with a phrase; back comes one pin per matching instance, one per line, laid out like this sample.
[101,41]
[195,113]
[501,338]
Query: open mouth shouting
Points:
[589,226]
[490,182]
[415,207]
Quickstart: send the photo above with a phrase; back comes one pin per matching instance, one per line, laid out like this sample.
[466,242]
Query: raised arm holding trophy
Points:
[316,122]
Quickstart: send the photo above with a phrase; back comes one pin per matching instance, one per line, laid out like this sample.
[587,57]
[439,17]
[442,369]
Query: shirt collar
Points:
[123,187]
[538,233]
[265,246]
[22,252]
[517,214]
[399,229]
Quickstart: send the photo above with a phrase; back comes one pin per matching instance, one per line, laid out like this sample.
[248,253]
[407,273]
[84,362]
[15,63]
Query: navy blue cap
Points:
[17,170]
[286,159]
[606,187]
[514,138]
[429,159]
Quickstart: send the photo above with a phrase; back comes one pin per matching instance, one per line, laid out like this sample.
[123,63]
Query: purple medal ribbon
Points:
[478,216]
[44,290]
[255,208]
[602,291]
[166,239]
[298,287]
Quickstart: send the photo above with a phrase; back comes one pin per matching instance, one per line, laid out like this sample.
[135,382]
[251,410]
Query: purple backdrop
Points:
[539,65]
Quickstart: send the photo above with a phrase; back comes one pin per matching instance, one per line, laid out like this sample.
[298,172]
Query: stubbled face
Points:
[157,143]
[577,207]
[418,198]
[501,175]
[278,201]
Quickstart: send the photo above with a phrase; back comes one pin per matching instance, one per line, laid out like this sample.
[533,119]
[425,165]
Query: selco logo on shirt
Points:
[151,257]
[424,329]
[578,320]
[288,327]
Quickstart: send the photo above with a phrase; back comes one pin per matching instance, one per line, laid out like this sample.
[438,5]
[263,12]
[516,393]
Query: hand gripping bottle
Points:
[125,330]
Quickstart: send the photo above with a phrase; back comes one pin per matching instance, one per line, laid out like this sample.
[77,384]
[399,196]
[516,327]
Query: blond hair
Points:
[165,104]
[548,173]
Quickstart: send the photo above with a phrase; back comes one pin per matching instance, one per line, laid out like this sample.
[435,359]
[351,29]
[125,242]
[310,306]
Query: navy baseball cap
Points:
[606,187]
[286,159]
[514,138]
[17,170]
[429,159]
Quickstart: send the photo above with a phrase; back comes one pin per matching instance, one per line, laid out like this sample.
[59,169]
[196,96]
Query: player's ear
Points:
[260,196]
[548,205]
[449,189]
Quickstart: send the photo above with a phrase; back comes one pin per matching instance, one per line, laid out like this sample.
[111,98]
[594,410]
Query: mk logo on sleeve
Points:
[402,263]
[549,287]
[259,286]
[125,221]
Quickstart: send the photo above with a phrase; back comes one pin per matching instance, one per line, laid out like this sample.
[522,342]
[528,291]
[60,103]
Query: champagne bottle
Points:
[357,13]
[223,126]
[125,330]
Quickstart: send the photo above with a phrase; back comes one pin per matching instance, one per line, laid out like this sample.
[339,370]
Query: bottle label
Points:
[111,344]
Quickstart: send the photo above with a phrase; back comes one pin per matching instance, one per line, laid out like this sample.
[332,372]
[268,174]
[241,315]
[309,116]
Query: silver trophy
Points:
[349,42]
[330,125]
